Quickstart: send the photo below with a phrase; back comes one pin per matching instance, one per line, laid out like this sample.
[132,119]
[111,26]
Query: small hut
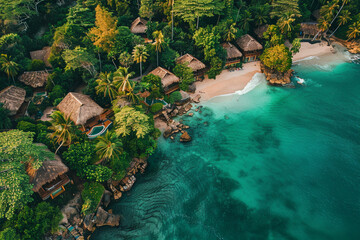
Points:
[35,79]
[309,30]
[49,180]
[169,81]
[250,48]
[195,64]
[12,97]
[42,55]
[233,54]
[81,108]
[138,26]
[260,31]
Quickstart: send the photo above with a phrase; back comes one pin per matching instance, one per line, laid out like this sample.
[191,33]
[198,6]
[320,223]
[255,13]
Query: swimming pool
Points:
[98,131]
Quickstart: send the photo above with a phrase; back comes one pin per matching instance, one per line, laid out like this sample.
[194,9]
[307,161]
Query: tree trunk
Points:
[99,60]
[335,31]
[157,58]
[337,14]
[13,79]
[59,147]
[197,23]
[172,22]
[140,70]
[237,15]
[317,34]
[113,62]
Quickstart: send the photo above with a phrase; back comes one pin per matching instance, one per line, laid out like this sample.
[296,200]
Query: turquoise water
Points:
[274,163]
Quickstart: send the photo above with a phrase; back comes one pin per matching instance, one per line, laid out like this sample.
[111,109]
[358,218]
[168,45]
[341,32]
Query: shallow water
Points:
[274,163]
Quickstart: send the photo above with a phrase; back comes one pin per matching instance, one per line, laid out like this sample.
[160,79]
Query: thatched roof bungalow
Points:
[49,180]
[42,55]
[260,31]
[195,64]
[309,29]
[35,79]
[138,26]
[169,81]
[12,97]
[233,54]
[81,108]
[250,48]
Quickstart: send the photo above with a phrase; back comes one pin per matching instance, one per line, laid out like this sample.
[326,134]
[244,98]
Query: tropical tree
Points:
[279,7]
[106,85]
[130,121]
[18,153]
[80,58]
[344,18]
[278,58]
[245,20]
[147,9]
[354,31]
[295,46]
[5,122]
[63,129]
[342,6]
[286,23]
[122,80]
[126,59]
[171,3]
[261,14]
[230,33]
[159,41]
[140,55]
[109,147]
[104,33]
[9,67]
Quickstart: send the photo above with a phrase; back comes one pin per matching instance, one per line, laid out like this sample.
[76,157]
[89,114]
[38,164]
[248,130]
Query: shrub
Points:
[175,97]
[32,109]
[98,173]
[57,92]
[26,127]
[57,101]
[156,107]
[9,234]
[91,195]
[36,65]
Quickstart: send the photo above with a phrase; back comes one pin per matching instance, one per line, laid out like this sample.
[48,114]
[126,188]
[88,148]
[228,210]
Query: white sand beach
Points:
[227,82]
[309,50]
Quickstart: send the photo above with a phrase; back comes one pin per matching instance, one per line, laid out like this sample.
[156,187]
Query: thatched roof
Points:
[79,107]
[231,50]
[260,30]
[138,26]
[247,43]
[43,55]
[194,63]
[34,79]
[49,171]
[309,28]
[167,77]
[12,97]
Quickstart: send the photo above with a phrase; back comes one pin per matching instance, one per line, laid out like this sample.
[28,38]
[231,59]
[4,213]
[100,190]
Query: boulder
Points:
[103,218]
[188,107]
[196,98]
[191,114]
[185,137]
[192,88]
[89,223]
[69,212]
[107,198]
[167,132]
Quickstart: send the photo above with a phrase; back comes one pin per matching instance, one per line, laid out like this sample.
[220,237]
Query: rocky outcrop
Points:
[277,78]
[185,137]
[353,47]
[103,218]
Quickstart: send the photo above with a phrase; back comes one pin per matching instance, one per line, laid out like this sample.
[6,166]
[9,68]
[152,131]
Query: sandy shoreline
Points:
[309,50]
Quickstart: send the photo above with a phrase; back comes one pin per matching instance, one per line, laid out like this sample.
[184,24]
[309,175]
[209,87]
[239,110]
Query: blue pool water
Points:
[274,163]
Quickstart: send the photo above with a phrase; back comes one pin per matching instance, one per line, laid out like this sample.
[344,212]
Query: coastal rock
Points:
[103,218]
[89,223]
[185,137]
[188,107]
[107,198]
[191,114]
[196,98]
[277,78]
[192,88]
[167,132]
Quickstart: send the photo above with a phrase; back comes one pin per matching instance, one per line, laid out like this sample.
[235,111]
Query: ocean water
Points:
[266,163]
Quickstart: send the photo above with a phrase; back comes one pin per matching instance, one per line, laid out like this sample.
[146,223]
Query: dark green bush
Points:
[57,101]
[175,97]
[57,92]
[36,65]
[91,195]
[98,173]
[26,127]
[156,107]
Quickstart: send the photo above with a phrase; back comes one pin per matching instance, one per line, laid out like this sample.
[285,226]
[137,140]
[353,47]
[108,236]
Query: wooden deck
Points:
[54,188]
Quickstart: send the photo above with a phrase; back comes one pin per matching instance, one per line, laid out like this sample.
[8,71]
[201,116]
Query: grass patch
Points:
[91,196]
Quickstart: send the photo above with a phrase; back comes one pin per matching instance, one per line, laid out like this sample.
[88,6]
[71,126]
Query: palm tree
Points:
[286,22]
[241,5]
[159,41]
[354,31]
[171,3]
[122,80]
[327,12]
[261,13]
[9,67]
[63,129]
[131,95]
[246,20]
[140,55]
[106,85]
[230,33]
[109,147]
[342,6]
[343,19]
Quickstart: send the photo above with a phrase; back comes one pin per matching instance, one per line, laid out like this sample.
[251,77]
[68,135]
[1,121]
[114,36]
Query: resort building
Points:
[309,30]
[169,81]
[79,107]
[195,64]
[138,26]
[12,97]
[233,55]
[35,79]
[50,179]
[250,48]
[42,55]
